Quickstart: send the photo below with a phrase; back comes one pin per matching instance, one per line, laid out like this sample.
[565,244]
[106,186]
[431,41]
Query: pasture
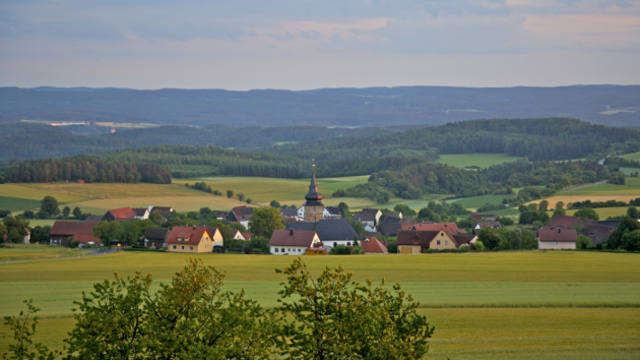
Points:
[599,192]
[482,161]
[532,305]
[632,156]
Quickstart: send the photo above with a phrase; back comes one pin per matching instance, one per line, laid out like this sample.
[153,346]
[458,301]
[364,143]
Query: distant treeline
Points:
[603,204]
[415,181]
[88,169]
[535,139]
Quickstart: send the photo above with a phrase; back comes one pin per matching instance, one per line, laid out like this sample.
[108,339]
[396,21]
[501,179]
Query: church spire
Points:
[313,194]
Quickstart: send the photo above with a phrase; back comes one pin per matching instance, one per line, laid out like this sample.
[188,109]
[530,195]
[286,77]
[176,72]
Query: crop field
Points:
[31,252]
[533,305]
[475,159]
[600,192]
[605,213]
[474,202]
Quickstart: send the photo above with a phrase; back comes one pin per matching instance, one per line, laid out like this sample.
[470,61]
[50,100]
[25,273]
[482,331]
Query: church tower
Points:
[313,207]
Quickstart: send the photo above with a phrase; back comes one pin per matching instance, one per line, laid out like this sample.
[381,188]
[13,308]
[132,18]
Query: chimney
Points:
[290,232]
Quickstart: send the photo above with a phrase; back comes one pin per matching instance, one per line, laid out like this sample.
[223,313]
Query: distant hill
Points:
[421,105]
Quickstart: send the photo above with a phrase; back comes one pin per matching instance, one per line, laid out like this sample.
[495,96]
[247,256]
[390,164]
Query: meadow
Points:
[482,161]
[533,305]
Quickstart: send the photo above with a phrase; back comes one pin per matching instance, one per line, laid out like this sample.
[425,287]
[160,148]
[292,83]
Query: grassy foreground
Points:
[531,305]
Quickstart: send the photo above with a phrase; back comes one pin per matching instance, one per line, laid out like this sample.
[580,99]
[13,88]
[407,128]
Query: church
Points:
[332,231]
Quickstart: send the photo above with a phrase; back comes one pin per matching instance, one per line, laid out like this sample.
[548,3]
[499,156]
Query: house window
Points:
[446,242]
[182,247]
[275,249]
[438,242]
[190,247]
[282,249]
[348,243]
[174,246]
[335,243]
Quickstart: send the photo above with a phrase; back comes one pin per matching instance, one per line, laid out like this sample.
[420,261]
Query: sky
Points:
[303,44]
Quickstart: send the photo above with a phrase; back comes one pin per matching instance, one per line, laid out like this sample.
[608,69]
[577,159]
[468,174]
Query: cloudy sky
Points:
[303,44]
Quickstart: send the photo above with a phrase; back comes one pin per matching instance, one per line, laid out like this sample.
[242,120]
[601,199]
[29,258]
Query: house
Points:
[154,238]
[418,241]
[450,227]
[241,215]
[569,222]
[120,214]
[27,237]
[373,246]
[290,214]
[293,242]
[141,213]
[216,237]
[332,212]
[369,218]
[389,226]
[189,239]
[557,238]
[244,236]
[598,233]
[62,232]
[332,232]
[164,211]
[484,224]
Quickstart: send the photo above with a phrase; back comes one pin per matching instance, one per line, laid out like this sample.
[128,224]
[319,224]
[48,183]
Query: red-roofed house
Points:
[125,213]
[293,242]
[418,241]
[569,222]
[192,239]
[241,214]
[63,232]
[557,238]
[373,246]
[245,236]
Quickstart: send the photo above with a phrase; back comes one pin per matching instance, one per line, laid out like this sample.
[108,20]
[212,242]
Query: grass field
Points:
[533,305]
[31,252]
[476,159]
[633,156]
[605,213]
[600,192]
[18,204]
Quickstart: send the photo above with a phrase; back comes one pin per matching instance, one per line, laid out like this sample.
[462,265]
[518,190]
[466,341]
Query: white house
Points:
[293,242]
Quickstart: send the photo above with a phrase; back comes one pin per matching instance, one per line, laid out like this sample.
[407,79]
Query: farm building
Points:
[124,213]
[332,232]
[241,215]
[190,239]
[373,246]
[63,232]
[154,238]
[244,236]
[369,218]
[557,238]
[293,242]
[418,241]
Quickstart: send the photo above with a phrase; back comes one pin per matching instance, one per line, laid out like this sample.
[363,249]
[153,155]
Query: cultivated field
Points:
[476,159]
[533,305]
[633,156]
[600,192]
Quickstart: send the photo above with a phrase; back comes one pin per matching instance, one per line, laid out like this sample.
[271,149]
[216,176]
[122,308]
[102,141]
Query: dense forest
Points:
[415,181]
[88,169]
[536,139]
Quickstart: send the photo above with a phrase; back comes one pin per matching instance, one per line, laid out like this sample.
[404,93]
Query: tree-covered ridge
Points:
[89,169]
[424,178]
[536,139]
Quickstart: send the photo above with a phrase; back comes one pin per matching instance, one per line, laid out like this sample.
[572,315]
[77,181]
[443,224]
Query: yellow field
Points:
[605,213]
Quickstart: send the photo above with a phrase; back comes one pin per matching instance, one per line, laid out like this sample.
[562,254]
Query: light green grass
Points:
[533,305]
[629,171]
[631,187]
[476,159]
[474,202]
[632,156]
[35,251]
[605,213]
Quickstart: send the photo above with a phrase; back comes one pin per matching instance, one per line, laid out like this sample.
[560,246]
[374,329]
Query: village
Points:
[315,229]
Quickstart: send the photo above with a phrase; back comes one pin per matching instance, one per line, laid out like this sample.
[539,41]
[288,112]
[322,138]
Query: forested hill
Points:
[536,139]
[423,105]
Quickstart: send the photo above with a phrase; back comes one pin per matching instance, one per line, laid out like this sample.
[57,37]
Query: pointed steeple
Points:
[313,195]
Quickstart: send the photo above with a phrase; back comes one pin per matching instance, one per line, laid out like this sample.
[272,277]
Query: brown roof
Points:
[140,211]
[191,234]
[373,246]
[292,238]
[598,233]
[462,239]
[549,233]
[367,215]
[491,224]
[122,213]
[242,212]
[81,231]
[569,221]
[450,228]
[415,237]
[164,210]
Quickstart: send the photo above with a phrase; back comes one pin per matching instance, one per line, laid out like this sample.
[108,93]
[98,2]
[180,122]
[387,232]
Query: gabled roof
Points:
[390,226]
[569,221]
[292,238]
[367,215]
[462,239]
[373,246]
[416,237]
[156,234]
[191,234]
[140,211]
[289,212]
[334,210]
[81,231]
[242,212]
[328,229]
[491,224]
[212,230]
[598,233]
[450,228]
[164,210]
[123,213]
[560,234]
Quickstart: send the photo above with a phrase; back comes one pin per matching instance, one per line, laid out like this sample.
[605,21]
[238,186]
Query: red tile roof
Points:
[549,233]
[373,246]
[292,238]
[415,237]
[189,235]
[81,231]
[242,212]
[569,221]
[122,213]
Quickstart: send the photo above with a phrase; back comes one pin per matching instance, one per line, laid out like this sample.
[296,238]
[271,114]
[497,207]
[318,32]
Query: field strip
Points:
[56,297]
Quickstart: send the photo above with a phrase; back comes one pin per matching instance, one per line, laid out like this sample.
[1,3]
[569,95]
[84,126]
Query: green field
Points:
[480,160]
[605,213]
[533,305]
[31,252]
[18,204]
[632,156]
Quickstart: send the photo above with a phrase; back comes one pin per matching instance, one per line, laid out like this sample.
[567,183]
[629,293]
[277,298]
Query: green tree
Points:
[587,213]
[633,212]
[543,205]
[24,328]
[334,317]
[489,237]
[77,213]
[229,193]
[108,232]
[240,196]
[274,203]
[156,218]
[264,221]
[631,241]
[405,210]
[584,242]
[16,228]
[65,212]
[3,232]
[49,206]
[626,225]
